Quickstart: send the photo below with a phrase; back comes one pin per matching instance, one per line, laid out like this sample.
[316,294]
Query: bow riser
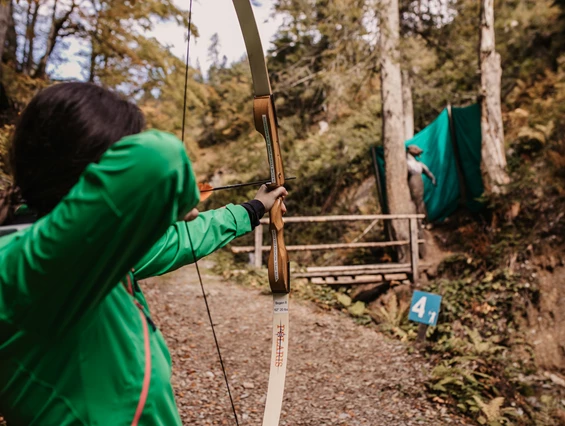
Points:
[266,124]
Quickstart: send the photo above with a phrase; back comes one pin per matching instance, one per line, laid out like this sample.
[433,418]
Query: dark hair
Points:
[63,129]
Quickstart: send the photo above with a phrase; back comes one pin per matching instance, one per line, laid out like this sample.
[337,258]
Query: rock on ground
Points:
[339,373]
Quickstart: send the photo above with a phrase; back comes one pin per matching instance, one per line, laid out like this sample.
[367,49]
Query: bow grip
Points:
[266,124]
[279,263]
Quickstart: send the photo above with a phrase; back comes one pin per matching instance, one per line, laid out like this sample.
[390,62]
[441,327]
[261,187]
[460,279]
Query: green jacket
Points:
[77,345]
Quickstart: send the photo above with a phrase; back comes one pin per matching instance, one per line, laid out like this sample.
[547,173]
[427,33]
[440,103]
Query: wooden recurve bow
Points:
[265,118]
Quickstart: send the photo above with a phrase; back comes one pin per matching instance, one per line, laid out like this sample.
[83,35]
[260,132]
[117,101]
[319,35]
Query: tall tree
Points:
[121,53]
[32,15]
[397,191]
[321,59]
[407,105]
[493,155]
[60,27]
[214,50]
[4,23]
[10,45]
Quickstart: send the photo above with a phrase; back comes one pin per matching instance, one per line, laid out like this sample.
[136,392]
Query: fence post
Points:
[415,257]
[414,254]
[258,258]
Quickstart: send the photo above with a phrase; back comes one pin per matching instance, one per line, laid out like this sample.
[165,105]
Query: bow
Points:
[265,119]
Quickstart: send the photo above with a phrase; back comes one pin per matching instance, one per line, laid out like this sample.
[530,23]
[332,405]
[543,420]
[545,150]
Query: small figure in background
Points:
[415,181]
[416,185]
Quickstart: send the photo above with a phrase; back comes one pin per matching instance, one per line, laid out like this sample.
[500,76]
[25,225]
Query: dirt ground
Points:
[339,373]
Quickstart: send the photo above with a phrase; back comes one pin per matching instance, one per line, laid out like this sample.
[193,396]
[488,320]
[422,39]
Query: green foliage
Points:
[119,54]
[493,415]
[479,342]
[392,316]
[479,348]
[322,59]
[5,133]
[324,69]
[465,375]
[20,89]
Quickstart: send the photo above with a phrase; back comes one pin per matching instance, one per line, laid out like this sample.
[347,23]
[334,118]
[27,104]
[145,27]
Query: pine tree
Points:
[398,194]
[493,156]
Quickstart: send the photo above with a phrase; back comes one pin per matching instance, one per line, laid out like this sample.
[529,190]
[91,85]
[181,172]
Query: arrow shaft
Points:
[241,185]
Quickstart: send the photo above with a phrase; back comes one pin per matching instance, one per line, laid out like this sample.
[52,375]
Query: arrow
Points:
[204,187]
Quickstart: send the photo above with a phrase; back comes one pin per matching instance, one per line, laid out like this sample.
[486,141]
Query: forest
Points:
[350,75]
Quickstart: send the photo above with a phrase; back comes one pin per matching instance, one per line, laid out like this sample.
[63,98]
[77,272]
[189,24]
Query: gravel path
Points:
[339,373]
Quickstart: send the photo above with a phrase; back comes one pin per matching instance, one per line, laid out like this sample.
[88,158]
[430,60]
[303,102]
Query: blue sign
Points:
[424,307]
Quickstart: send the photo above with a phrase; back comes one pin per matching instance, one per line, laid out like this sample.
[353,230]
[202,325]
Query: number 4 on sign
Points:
[424,308]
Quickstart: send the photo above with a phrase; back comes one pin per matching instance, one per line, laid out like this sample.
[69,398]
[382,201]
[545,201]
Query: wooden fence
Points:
[367,272]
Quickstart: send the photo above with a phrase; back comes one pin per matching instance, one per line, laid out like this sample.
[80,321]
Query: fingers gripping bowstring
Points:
[185,101]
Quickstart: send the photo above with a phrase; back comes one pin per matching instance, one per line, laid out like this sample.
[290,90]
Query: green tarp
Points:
[439,155]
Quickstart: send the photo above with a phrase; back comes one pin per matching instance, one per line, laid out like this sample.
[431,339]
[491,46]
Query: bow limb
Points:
[265,119]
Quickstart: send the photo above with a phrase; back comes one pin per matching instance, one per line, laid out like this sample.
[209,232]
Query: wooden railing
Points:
[335,271]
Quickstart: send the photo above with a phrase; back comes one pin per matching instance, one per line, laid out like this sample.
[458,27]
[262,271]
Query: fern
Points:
[492,411]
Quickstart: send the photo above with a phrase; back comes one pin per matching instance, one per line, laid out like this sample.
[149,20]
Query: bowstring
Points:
[185,101]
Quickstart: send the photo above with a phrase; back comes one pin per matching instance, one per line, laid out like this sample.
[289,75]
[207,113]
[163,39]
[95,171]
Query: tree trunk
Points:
[11,41]
[54,34]
[26,40]
[493,156]
[93,50]
[4,24]
[92,66]
[51,41]
[30,35]
[397,191]
[407,105]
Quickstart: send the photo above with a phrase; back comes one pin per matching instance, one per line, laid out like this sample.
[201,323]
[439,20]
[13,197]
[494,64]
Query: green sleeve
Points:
[68,261]
[210,231]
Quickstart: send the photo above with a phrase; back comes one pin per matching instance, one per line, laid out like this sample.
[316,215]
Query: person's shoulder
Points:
[152,145]
[152,136]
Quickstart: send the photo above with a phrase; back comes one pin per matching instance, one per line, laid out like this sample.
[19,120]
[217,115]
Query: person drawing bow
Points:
[115,204]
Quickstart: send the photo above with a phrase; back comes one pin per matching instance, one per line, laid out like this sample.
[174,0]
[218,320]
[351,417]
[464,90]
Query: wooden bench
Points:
[359,274]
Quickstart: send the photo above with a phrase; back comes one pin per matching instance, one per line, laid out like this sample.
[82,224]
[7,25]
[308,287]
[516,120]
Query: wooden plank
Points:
[372,279]
[366,279]
[315,247]
[356,267]
[346,273]
[414,252]
[396,277]
[345,218]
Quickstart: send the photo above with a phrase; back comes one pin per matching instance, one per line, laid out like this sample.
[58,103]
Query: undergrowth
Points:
[484,367]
